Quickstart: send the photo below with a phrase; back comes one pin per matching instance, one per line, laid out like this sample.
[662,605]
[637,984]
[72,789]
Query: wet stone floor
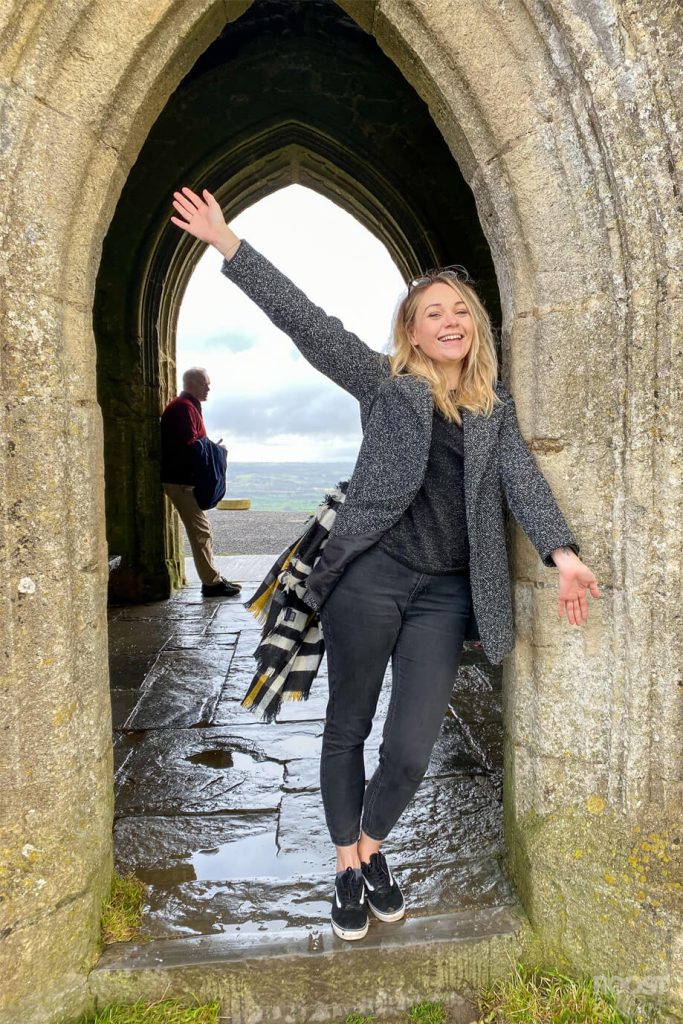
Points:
[221,814]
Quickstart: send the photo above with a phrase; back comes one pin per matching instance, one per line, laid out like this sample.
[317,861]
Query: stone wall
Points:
[565,120]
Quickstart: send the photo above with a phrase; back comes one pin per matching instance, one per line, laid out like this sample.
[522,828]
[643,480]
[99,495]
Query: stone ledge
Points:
[301,974]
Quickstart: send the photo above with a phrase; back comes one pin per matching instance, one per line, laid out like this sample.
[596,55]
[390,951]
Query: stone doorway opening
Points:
[292,71]
[211,805]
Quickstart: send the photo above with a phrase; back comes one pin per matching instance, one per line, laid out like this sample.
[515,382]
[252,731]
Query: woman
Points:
[416,561]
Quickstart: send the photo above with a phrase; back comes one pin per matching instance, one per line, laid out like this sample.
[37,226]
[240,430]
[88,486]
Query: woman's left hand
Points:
[575,579]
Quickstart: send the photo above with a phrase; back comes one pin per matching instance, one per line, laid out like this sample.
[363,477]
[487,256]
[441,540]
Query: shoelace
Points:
[350,886]
[378,873]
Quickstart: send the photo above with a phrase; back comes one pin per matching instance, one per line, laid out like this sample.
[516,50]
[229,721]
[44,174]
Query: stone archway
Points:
[269,103]
[563,121]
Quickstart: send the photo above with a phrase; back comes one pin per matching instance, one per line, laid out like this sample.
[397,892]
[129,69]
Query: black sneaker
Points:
[224,588]
[349,912]
[385,898]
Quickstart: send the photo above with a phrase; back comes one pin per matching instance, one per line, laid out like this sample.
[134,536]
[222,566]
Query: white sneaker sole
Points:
[396,915]
[343,933]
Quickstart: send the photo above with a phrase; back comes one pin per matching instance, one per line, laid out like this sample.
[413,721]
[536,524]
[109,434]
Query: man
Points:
[182,425]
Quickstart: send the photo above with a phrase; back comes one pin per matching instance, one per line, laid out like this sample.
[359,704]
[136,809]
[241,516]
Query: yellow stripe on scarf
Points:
[265,678]
[256,607]
[251,697]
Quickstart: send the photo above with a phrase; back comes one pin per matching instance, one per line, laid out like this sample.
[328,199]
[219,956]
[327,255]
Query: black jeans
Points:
[381,609]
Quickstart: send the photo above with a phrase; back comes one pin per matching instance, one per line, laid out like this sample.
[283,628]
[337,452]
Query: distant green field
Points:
[285,486]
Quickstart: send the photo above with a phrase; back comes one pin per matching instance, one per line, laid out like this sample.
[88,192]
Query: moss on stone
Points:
[629,879]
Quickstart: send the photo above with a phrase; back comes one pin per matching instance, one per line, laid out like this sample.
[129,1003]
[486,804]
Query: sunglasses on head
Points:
[454,272]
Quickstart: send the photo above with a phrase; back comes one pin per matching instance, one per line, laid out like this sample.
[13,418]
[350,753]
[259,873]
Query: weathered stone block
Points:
[60,944]
[42,229]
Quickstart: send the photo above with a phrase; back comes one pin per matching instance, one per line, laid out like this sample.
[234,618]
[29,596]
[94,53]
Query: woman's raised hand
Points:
[201,217]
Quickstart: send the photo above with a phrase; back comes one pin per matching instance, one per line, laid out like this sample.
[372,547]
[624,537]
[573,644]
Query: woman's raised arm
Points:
[321,339]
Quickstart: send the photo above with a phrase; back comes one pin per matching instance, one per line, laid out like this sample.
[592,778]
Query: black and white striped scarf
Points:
[291,648]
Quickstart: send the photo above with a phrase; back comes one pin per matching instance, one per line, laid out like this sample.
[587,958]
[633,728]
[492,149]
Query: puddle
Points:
[251,857]
[165,878]
[213,759]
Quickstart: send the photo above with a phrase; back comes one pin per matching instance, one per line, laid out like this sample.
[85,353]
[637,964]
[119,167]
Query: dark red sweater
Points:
[181,425]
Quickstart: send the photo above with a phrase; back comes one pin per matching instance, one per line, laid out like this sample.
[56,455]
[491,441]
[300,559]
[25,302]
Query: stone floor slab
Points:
[311,710]
[454,819]
[450,820]
[128,671]
[479,718]
[184,640]
[199,610]
[438,888]
[136,638]
[182,689]
[187,771]
[476,675]
[283,742]
[303,775]
[122,706]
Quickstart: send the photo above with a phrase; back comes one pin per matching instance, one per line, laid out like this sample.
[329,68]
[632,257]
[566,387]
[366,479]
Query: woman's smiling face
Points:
[443,328]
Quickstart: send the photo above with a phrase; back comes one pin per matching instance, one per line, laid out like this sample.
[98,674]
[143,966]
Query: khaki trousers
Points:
[198,530]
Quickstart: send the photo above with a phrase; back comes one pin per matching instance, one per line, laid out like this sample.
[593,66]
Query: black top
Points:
[431,535]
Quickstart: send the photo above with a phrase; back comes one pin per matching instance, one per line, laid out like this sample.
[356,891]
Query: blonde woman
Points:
[416,561]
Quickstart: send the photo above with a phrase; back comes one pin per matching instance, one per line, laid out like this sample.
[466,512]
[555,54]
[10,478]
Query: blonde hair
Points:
[479,371]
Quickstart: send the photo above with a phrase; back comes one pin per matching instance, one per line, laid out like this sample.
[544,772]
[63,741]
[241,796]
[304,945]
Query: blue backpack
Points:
[209,464]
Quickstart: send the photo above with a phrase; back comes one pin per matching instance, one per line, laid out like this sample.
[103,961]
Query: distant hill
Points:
[285,486]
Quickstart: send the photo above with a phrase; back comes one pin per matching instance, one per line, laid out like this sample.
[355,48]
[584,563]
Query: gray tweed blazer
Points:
[396,416]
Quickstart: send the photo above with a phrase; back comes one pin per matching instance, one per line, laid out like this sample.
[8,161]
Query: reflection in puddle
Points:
[212,758]
[251,857]
[165,878]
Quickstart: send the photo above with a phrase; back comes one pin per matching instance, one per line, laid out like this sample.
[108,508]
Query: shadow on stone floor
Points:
[221,814]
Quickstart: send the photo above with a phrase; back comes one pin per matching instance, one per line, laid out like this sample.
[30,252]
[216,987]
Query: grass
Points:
[168,1011]
[122,912]
[527,997]
[534,997]
[428,1013]
[423,1013]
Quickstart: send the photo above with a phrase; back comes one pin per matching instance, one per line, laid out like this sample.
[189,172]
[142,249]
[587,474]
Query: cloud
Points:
[319,412]
[230,341]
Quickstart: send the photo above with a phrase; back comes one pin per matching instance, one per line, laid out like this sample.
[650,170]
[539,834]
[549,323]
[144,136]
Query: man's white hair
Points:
[193,374]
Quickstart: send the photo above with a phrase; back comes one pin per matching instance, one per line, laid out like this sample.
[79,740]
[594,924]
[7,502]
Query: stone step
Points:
[297,976]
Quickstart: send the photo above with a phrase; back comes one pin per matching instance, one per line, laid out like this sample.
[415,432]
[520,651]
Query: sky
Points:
[266,402]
